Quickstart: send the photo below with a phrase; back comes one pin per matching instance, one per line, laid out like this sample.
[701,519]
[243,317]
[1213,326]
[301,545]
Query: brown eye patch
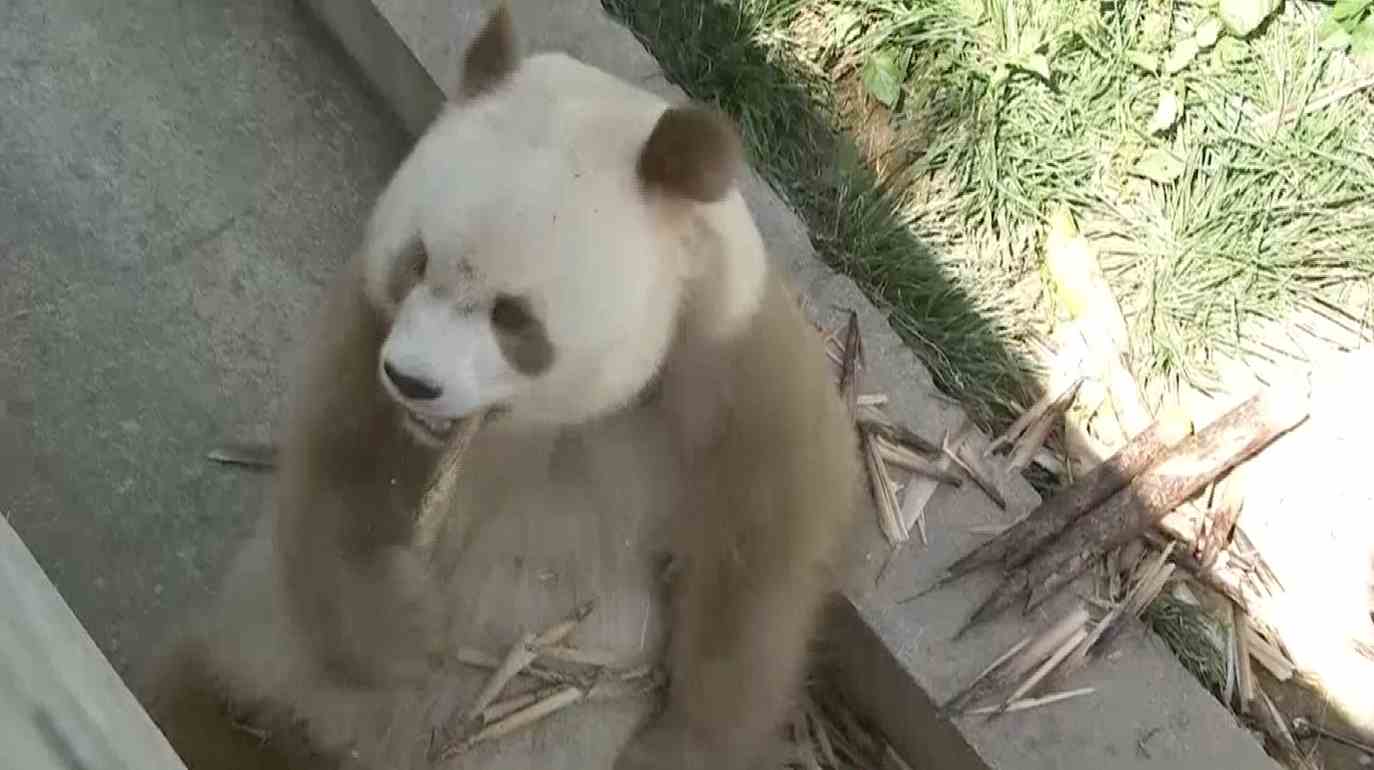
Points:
[521,335]
[408,270]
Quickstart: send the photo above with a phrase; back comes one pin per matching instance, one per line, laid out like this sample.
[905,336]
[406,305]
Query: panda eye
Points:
[419,261]
[511,314]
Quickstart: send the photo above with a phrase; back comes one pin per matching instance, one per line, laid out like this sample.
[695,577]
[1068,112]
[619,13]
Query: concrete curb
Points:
[893,661]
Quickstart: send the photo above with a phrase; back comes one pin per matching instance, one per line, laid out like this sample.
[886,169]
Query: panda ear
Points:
[491,57]
[694,153]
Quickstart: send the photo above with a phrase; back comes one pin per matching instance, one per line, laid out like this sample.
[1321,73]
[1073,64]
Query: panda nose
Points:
[411,387]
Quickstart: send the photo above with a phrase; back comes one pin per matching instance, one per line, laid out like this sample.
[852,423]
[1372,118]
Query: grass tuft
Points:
[923,142]
[1195,637]
[728,54]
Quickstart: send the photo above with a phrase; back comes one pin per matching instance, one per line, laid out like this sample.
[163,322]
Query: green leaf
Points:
[1242,17]
[1362,39]
[1345,10]
[1159,165]
[882,77]
[1333,35]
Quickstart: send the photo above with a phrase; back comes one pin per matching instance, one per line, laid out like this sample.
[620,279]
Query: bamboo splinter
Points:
[435,502]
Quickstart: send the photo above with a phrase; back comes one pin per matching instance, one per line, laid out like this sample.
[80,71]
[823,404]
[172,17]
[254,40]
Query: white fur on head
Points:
[534,189]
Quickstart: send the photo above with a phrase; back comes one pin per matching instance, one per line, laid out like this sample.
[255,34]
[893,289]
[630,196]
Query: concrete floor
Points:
[177,180]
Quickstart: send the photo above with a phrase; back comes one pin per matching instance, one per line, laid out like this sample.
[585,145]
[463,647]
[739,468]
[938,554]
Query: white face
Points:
[521,268]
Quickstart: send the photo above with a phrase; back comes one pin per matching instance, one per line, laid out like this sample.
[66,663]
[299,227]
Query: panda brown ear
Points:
[694,153]
[490,58]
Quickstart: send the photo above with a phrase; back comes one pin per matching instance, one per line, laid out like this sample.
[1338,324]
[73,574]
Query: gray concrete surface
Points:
[64,707]
[894,660]
[177,180]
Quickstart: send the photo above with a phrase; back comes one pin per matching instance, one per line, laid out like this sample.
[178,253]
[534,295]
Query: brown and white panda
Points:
[573,252]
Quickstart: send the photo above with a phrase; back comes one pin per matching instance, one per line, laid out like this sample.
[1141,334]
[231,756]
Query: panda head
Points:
[535,251]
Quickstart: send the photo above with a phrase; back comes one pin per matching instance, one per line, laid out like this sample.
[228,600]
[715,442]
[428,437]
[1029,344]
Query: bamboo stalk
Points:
[522,654]
[974,466]
[1021,659]
[469,656]
[908,460]
[1045,669]
[1245,677]
[889,517]
[259,456]
[435,502]
[1030,703]
[1184,470]
[874,421]
[1033,440]
[555,700]
[1016,545]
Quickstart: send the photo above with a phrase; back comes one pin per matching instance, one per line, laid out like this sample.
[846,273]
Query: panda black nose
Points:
[411,387]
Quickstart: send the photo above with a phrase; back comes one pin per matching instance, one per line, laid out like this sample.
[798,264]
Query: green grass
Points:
[1205,227]
[866,229]
[1195,637]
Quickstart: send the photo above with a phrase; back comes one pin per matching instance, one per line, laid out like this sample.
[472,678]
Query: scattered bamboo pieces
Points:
[1022,659]
[524,711]
[1302,728]
[974,465]
[1272,723]
[887,445]
[1030,703]
[1150,577]
[522,655]
[874,421]
[258,456]
[435,502]
[1045,669]
[889,516]
[1245,677]
[835,739]
[1033,440]
[1015,546]
[907,459]
[1219,520]
[1179,472]
[1184,470]
[1266,653]
[1027,435]
[479,659]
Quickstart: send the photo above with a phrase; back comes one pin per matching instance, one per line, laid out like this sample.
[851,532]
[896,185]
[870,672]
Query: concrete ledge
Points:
[62,706]
[895,662]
